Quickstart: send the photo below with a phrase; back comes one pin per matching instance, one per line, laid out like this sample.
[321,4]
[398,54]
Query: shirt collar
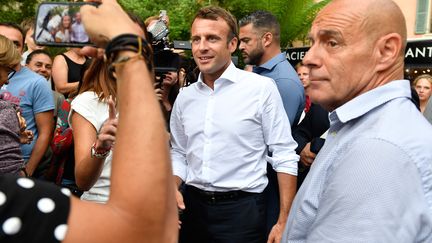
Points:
[364,103]
[270,64]
[229,75]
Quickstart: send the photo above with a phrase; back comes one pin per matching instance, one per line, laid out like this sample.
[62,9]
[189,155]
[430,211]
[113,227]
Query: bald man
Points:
[372,180]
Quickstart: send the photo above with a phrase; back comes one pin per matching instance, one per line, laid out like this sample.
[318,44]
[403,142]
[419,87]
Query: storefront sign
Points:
[417,52]
[295,55]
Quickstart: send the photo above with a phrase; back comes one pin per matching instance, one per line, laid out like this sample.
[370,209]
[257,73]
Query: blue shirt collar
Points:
[270,64]
[366,102]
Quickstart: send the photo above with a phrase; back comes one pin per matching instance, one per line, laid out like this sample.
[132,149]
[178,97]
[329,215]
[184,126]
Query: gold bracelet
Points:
[124,59]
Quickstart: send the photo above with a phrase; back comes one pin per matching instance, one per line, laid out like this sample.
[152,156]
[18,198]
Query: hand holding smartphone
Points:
[60,24]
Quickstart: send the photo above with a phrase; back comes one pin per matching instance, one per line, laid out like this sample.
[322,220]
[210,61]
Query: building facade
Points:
[418,56]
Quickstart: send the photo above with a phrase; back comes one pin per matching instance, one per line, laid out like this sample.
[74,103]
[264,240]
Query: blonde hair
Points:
[424,76]
[9,55]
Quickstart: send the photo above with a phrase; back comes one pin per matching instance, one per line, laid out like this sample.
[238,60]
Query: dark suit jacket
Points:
[314,124]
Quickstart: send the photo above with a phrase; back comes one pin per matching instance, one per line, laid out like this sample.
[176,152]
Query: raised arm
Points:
[142,206]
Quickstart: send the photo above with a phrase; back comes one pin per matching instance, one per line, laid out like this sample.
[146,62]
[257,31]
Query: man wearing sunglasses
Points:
[33,94]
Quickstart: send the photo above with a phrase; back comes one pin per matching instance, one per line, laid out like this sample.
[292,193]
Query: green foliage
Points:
[300,23]
[295,16]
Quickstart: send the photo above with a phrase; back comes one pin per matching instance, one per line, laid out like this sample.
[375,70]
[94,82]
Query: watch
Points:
[100,154]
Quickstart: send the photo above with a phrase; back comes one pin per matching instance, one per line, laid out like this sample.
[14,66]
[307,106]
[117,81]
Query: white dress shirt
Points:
[221,138]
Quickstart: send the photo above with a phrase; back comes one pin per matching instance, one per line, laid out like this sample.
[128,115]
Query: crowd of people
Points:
[335,149]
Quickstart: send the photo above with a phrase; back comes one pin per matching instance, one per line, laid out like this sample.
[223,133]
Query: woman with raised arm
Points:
[141,207]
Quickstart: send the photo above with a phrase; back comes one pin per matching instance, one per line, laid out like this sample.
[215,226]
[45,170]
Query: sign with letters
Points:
[417,52]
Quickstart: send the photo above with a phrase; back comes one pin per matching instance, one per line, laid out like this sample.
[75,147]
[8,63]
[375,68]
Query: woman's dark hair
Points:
[97,78]
[34,53]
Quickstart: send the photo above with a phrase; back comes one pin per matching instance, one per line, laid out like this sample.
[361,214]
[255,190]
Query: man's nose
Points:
[312,58]
[203,45]
[241,46]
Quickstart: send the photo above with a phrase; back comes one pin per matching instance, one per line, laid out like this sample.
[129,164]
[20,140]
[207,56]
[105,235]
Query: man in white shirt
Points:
[78,32]
[222,128]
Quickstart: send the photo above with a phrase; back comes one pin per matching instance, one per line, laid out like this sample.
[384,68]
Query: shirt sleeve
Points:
[88,105]
[178,142]
[43,99]
[293,99]
[32,211]
[373,193]
[277,132]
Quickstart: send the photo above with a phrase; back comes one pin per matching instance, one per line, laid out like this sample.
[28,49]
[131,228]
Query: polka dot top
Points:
[32,211]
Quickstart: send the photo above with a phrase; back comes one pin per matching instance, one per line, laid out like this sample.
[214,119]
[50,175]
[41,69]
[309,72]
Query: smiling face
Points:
[340,56]
[211,48]
[251,45]
[66,21]
[41,64]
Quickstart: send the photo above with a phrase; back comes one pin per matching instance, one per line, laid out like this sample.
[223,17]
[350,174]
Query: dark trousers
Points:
[233,219]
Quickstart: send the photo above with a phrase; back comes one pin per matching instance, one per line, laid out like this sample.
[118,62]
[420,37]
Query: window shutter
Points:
[421,16]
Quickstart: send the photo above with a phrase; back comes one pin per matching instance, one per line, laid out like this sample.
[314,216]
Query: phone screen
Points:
[59,24]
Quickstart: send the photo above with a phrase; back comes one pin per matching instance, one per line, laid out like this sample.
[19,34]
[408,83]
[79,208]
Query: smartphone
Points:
[59,24]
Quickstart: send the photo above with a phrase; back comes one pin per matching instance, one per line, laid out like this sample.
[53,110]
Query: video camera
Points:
[165,59]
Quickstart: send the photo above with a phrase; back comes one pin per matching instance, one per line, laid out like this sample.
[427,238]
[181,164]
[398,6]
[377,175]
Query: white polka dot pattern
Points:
[12,226]
[2,198]
[66,192]
[25,183]
[46,205]
[60,232]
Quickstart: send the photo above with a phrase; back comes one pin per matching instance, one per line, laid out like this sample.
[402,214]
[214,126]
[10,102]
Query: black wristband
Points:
[127,42]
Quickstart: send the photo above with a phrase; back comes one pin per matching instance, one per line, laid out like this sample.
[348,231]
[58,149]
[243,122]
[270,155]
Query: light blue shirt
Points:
[33,94]
[220,137]
[372,180]
[288,83]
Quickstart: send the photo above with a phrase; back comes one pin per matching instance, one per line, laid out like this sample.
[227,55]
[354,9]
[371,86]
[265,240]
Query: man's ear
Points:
[232,44]
[267,39]
[388,50]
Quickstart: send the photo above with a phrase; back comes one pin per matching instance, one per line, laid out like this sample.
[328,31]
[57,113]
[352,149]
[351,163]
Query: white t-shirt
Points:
[87,104]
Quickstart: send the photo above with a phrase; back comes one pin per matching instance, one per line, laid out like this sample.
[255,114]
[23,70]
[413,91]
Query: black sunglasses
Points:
[11,73]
